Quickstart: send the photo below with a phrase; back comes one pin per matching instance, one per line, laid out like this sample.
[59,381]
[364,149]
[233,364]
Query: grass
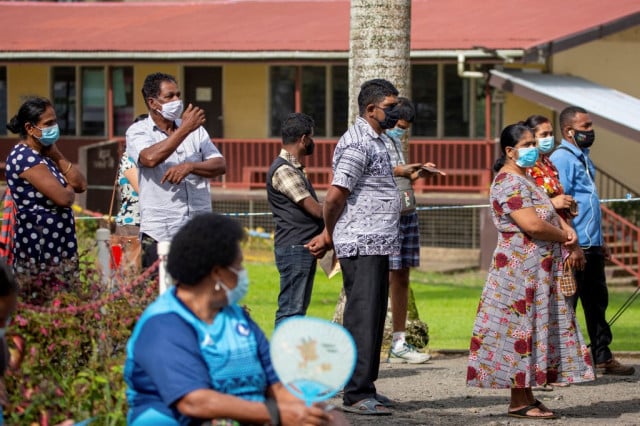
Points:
[446,302]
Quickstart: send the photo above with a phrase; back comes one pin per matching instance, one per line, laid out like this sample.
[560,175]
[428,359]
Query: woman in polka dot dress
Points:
[43,184]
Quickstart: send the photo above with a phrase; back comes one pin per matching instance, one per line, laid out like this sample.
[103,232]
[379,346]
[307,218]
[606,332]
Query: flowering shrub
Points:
[68,350]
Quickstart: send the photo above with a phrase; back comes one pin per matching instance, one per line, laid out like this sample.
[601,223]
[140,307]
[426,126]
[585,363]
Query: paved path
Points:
[435,394]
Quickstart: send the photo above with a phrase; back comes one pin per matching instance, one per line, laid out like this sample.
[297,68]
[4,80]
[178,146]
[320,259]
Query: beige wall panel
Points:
[25,81]
[613,62]
[245,101]
[518,109]
[618,157]
[140,72]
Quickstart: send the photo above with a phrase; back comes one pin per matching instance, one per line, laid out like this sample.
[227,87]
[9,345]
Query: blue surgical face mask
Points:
[236,294]
[50,135]
[545,145]
[527,157]
[396,132]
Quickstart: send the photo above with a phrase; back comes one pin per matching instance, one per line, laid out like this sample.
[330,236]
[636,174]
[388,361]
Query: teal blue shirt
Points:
[577,175]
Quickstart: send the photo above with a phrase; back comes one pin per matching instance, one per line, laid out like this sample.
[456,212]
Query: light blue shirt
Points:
[577,174]
[165,207]
[368,224]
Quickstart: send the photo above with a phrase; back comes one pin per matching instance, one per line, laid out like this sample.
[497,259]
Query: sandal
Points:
[368,406]
[523,412]
[385,400]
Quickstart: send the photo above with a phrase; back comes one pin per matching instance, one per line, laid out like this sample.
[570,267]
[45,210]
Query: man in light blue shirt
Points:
[176,160]
[577,174]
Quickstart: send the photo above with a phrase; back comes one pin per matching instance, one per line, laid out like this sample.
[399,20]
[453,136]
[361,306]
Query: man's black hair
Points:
[373,92]
[204,242]
[406,110]
[569,114]
[151,86]
[295,126]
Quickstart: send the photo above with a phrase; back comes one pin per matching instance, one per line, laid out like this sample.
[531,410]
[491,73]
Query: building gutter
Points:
[506,55]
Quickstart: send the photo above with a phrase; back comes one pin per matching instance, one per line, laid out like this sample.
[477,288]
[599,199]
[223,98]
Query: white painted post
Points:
[103,235]
[165,280]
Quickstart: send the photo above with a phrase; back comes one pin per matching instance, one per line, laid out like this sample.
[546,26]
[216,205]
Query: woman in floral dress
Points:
[525,334]
[545,174]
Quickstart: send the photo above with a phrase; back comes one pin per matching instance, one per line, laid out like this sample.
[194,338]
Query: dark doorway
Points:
[203,88]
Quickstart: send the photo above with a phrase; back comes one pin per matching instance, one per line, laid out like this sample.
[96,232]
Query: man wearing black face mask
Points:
[361,214]
[297,214]
[577,175]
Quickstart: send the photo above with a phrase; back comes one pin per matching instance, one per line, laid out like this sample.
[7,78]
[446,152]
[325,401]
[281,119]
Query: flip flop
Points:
[368,407]
[522,413]
[385,400]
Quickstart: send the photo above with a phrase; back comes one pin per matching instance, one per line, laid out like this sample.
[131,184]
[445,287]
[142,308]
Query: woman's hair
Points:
[509,138]
[8,284]
[206,241]
[30,112]
[533,121]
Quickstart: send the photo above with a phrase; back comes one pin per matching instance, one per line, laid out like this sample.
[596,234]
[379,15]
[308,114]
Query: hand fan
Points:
[313,358]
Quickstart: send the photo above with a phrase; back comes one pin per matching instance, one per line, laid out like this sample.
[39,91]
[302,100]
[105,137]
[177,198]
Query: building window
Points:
[339,105]
[64,98]
[323,94]
[283,96]
[3,101]
[424,80]
[447,105]
[93,111]
[122,89]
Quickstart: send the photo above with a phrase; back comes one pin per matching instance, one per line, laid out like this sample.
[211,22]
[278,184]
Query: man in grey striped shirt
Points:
[361,214]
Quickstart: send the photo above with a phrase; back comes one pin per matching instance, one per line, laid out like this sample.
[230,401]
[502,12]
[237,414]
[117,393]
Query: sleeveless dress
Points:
[524,335]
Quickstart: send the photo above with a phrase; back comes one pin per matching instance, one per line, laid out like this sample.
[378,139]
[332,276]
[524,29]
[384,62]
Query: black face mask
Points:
[391,117]
[584,138]
[308,149]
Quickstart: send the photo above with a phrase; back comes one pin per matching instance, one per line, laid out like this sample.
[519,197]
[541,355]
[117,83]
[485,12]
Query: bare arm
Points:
[209,404]
[71,173]
[311,206]
[132,176]
[41,178]
[532,225]
[208,168]
[192,118]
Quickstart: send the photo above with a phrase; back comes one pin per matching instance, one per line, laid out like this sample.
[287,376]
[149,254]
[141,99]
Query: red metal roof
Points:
[292,25]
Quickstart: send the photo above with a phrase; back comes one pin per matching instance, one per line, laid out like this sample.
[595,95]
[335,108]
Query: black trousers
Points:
[366,285]
[149,251]
[594,295]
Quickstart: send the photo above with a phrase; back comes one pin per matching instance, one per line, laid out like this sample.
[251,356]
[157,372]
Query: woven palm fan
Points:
[313,358]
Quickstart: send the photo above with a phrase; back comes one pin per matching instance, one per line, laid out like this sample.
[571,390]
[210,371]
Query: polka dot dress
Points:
[44,233]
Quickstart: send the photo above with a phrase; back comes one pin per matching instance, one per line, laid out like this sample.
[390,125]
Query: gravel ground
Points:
[436,394]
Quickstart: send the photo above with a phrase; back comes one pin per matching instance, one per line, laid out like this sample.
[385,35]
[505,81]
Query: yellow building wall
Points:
[245,101]
[26,80]
[518,109]
[613,62]
[141,71]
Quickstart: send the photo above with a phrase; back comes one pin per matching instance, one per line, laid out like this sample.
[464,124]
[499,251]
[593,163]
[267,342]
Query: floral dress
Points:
[547,177]
[524,335]
[129,213]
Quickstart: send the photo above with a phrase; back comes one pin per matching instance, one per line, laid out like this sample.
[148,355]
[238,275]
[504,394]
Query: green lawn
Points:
[446,302]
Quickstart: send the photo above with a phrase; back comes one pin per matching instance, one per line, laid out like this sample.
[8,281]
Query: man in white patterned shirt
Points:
[361,214]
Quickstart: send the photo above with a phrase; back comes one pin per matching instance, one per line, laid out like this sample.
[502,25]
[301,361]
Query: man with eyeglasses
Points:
[361,215]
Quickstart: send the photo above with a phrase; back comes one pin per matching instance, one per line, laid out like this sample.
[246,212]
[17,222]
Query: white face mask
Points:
[172,110]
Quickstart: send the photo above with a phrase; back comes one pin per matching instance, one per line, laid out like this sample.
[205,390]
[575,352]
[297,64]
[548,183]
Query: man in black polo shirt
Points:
[298,216]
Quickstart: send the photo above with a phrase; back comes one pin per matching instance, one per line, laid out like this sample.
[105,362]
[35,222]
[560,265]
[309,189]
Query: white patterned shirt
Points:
[368,225]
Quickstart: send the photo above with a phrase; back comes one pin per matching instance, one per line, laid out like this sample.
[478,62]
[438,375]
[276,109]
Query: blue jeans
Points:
[297,269]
